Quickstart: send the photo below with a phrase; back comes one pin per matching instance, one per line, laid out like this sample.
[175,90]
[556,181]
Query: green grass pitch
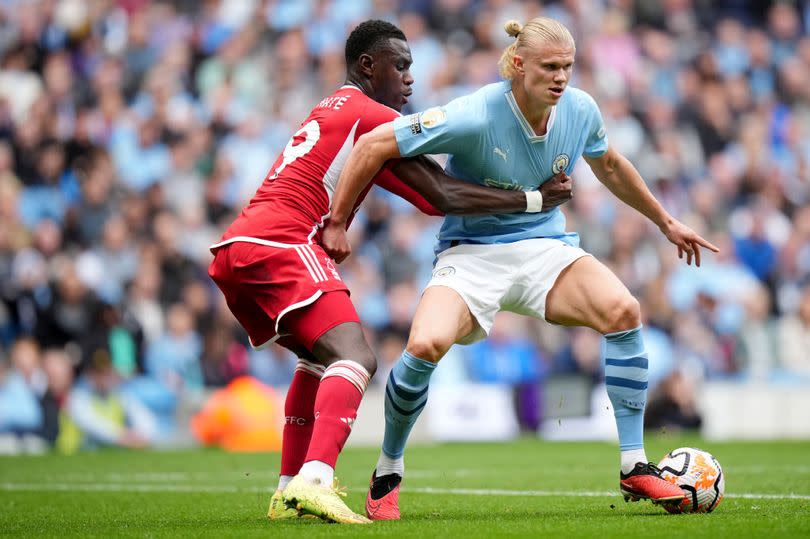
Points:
[527,488]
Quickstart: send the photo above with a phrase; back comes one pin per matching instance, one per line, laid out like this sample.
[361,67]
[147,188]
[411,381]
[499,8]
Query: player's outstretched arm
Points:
[367,157]
[453,196]
[621,177]
[369,154]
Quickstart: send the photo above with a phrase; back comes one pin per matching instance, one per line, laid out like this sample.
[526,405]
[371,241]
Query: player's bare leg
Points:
[441,319]
[588,294]
[349,364]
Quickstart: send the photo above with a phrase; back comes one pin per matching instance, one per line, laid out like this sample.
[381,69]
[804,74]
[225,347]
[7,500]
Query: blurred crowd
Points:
[133,131]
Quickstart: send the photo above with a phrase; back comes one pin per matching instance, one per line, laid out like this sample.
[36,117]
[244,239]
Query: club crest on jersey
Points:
[560,163]
[330,265]
[444,272]
[433,117]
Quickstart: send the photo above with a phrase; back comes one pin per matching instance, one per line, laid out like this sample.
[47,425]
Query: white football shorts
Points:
[514,277]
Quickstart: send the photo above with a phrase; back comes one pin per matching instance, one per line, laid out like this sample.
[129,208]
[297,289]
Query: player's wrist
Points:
[336,221]
[665,223]
[534,201]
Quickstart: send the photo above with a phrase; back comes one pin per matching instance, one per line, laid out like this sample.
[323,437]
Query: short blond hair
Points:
[537,31]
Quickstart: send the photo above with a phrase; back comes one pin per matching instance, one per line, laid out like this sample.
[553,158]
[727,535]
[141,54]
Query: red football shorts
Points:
[295,292]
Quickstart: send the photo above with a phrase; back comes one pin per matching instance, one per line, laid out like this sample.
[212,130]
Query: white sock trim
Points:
[351,371]
[283,481]
[310,368]
[386,465]
[318,473]
[630,457]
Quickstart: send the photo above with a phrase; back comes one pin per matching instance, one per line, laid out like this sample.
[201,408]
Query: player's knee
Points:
[624,313]
[345,342]
[363,355]
[369,362]
[427,347]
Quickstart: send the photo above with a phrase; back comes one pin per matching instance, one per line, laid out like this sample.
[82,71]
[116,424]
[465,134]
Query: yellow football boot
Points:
[278,510]
[321,501]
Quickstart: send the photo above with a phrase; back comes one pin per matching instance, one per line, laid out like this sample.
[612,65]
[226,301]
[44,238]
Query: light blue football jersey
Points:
[490,142]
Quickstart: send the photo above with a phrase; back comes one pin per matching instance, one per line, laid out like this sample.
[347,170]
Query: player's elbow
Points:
[439,199]
[378,145]
[606,165]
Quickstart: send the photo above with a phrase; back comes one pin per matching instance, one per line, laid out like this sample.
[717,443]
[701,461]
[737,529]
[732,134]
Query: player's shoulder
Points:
[488,96]
[377,111]
[476,108]
[579,99]
[349,99]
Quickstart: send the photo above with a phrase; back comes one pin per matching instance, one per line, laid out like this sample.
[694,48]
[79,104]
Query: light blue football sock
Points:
[405,397]
[626,377]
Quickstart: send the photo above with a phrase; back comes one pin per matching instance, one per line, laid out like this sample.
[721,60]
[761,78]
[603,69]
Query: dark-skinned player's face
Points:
[391,78]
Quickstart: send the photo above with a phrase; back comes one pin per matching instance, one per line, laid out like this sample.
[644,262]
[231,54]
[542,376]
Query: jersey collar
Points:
[524,123]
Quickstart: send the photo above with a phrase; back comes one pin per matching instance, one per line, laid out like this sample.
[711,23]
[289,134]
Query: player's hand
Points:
[687,241]
[556,191]
[334,241]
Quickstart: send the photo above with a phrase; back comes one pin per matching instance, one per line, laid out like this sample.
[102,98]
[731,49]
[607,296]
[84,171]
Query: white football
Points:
[700,476]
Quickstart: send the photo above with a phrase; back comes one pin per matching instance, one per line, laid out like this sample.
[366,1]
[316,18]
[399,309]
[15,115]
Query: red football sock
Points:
[299,416]
[339,396]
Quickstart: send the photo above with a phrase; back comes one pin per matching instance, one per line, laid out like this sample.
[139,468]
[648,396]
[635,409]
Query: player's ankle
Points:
[317,473]
[383,485]
[630,457]
[389,465]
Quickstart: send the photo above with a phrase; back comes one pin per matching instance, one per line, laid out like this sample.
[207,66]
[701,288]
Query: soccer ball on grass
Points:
[700,476]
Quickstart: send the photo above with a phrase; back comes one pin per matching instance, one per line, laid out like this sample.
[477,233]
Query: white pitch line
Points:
[792,468]
[580,493]
[214,489]
[122,487]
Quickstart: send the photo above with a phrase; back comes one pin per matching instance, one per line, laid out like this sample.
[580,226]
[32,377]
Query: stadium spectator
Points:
[20,413]
[57,428]
[103,414]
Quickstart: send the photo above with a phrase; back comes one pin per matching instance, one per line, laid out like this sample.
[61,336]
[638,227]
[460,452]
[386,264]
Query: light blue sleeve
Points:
[451,129]
[597,142]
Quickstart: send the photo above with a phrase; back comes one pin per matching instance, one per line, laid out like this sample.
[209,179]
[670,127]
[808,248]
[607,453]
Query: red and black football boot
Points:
[644,482]
[382,501]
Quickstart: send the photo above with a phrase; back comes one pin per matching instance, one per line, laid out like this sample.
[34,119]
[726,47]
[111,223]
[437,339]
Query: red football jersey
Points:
[295,197]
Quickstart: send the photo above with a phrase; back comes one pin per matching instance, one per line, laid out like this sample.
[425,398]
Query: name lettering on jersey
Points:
[560,163]
[333,102]
[502,153]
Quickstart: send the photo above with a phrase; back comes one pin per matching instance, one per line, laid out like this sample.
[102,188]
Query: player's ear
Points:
[517,61]
[365,64]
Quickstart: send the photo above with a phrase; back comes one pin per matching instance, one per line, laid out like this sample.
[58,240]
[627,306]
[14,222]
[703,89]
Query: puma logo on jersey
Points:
[498,151]
[348,420]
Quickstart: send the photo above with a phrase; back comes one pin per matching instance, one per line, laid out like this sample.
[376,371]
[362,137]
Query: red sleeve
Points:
[388,181]
[374,115]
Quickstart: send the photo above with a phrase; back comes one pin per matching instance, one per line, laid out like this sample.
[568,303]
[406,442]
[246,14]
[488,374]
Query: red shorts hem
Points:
[310,322]
[267,289]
